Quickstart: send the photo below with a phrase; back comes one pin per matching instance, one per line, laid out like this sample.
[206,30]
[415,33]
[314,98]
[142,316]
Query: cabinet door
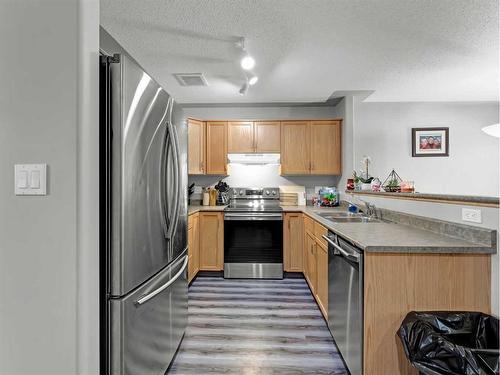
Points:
[191,266]
[267,136]
[325,147]
[196,244]
[211,241]
[319,232]
[311,262]
[240,137]
[322,278]
[196,147]
[305,248]
[216,147]
[293,242]
[295,155]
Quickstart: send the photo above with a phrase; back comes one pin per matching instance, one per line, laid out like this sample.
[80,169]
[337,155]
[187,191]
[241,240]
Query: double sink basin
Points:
[347,217]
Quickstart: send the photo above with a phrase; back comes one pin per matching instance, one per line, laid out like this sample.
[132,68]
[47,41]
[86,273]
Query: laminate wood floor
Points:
[255,327]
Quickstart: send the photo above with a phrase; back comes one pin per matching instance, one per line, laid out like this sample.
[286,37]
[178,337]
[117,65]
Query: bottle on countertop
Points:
[206,196]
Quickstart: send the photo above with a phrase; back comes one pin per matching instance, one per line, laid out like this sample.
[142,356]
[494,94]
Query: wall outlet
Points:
[472,215]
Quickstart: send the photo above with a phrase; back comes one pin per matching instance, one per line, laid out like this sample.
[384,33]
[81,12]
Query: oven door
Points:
[253,245]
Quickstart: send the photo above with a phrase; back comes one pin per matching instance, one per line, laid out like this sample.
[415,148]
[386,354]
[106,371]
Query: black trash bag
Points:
[451,343]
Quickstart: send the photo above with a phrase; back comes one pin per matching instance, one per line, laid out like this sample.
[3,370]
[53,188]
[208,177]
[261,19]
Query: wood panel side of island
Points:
[395,284]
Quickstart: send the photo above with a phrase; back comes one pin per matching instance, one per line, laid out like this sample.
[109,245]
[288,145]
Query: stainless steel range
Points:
[253,234]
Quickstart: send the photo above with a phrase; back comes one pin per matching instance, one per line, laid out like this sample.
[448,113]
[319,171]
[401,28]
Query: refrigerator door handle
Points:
[175,149]
[163,166]
[155,292]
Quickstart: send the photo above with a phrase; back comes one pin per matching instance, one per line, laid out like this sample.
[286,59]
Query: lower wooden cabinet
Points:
[310,252]
[315,258]
[322,278]
[211,241]
[193,246]
[293,242]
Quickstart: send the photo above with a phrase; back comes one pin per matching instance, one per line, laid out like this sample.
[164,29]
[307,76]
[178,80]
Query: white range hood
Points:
[254,159]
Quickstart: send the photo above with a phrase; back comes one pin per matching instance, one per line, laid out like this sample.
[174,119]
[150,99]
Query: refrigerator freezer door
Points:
[147,325]
[141,149]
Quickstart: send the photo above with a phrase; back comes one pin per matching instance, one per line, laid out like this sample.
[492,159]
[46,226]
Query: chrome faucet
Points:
[370,208]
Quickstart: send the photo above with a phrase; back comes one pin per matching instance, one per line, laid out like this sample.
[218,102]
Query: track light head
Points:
[253,80]
[244,89]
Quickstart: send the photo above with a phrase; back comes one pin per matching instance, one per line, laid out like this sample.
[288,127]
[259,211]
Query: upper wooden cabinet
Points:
[311,147]
[216,132]
[240,137]
[267,136]
[295,153]
[249,137]
[306,147]
[325,147]
[196,147]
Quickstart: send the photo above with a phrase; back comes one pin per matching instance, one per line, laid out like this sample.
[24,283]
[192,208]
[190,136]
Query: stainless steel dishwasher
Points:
[345,300]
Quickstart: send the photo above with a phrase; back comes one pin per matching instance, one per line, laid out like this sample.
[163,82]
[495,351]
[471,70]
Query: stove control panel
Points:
[254,193]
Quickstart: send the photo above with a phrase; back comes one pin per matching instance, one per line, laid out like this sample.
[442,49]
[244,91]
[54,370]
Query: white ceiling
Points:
[306,50]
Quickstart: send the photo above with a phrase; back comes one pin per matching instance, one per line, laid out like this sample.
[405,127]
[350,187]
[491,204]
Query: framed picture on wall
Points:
[430,142]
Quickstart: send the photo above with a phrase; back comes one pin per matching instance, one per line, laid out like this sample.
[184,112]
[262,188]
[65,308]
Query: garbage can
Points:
[451,343]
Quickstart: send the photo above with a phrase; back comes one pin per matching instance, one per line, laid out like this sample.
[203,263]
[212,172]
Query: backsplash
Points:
[262,176]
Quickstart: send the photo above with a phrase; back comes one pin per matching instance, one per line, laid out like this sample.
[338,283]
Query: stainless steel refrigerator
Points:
[143,219]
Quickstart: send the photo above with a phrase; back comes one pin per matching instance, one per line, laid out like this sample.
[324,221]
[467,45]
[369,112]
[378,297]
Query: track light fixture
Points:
[244,89]
[247,61]
[252,80]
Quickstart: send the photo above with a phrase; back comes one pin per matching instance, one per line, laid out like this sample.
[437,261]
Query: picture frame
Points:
[429,142]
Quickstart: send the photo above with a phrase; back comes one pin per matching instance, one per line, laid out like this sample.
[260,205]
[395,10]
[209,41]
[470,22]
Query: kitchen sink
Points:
[354,219]
[337,214]
[347,217]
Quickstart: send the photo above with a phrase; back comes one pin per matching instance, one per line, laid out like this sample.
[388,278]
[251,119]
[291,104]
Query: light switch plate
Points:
[472,215]
[30,179]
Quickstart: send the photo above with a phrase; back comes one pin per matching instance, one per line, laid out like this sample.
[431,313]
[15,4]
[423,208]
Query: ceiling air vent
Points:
[191,79]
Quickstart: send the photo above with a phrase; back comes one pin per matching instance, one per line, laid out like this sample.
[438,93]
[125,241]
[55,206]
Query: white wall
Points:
[40,108]
[382,131]
[260,113]
[88,189]
[344,110]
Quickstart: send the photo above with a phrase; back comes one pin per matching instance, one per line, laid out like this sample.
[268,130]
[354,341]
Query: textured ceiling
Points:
[306,50]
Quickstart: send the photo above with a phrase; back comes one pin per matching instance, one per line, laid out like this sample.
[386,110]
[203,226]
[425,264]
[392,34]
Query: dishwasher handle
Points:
[352,257]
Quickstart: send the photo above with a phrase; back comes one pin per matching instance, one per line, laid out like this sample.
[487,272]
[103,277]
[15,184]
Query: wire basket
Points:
[392,183]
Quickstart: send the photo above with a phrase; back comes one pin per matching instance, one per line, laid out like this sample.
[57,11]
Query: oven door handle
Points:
[343,252]
[245,216]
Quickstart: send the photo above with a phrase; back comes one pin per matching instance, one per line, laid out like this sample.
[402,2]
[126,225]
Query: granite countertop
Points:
[393,237]
[388,236]
[192,209]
